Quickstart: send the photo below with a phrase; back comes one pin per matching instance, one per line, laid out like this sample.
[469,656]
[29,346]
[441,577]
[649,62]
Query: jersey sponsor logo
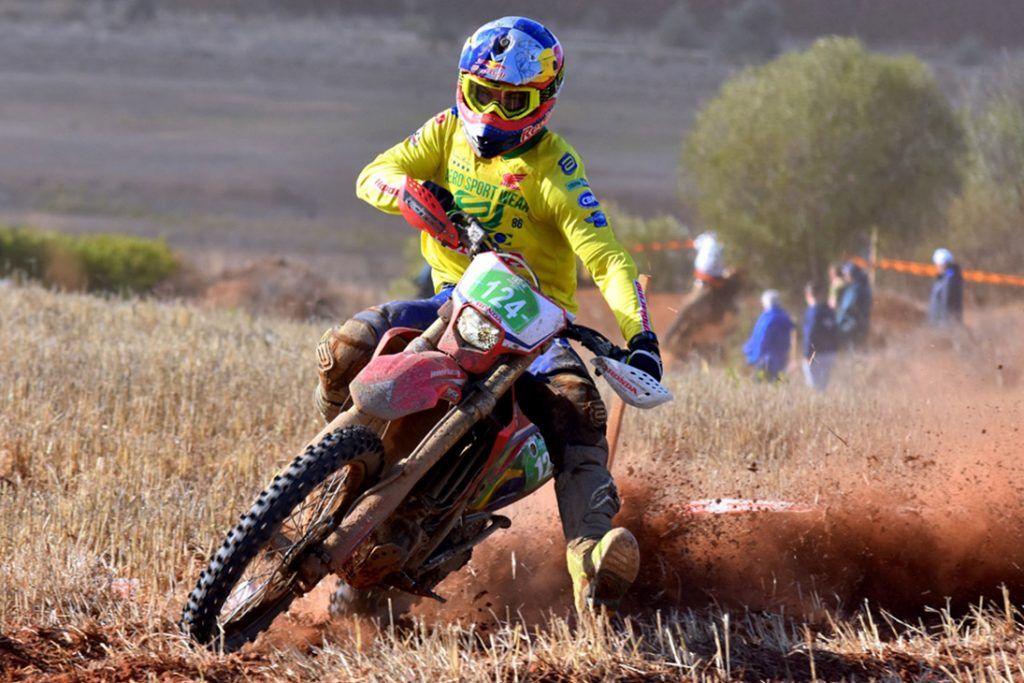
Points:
[645,319]
[490,217]
[597,219]
[384,187]
[568,164]
[512,180]
[587,200]
[513,199]
[440,118]
[577,184]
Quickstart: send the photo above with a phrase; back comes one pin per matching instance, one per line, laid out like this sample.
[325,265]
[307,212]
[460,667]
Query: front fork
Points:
[379,502]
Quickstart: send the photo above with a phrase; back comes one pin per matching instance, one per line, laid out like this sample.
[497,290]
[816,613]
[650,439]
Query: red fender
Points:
[400,384]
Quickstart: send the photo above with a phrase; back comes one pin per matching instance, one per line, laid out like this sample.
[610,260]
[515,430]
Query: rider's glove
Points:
[441,194]
[644,354]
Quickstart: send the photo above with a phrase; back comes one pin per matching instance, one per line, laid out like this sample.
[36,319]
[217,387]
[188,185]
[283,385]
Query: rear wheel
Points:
[272,555]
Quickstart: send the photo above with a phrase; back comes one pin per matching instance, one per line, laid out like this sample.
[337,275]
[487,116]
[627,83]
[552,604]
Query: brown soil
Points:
[282,288]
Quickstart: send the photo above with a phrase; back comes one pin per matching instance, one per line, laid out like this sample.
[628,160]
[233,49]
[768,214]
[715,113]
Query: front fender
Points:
[396,385]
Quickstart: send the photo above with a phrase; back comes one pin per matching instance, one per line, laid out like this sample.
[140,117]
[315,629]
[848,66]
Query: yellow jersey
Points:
[534,201]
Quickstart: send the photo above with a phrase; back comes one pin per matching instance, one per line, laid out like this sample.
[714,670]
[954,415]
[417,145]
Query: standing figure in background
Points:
[767,350]
[853,312]
[707,309]
[946,305]
[708,264]
[820,338]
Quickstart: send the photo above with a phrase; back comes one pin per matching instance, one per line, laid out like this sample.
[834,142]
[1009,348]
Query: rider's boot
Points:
[342,352]
[602,569]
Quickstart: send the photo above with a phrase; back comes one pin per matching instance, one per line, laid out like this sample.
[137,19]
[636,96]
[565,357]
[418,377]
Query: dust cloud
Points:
[945,526]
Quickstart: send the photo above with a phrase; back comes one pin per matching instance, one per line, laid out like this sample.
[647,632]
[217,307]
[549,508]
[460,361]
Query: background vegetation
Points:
[796,161]
[986,221]
[99,262]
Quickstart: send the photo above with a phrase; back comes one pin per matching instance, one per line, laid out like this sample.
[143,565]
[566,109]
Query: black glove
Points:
[644,354]
[442,194]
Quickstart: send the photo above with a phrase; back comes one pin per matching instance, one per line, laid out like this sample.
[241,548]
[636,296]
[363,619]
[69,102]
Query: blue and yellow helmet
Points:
[510,73]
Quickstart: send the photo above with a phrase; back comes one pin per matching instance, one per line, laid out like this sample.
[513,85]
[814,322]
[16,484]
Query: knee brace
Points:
[591,419]
[343,351]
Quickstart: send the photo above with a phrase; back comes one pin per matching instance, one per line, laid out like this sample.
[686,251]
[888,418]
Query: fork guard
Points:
[395,385]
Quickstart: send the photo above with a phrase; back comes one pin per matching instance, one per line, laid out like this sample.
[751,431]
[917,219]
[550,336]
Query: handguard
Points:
[424,212]
[633,386]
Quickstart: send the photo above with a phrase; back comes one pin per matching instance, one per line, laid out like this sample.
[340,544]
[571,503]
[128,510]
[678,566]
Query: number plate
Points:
[528,317]
[507,295]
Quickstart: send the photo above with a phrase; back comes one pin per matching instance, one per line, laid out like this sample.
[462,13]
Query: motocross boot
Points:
[342,352]
[602,570]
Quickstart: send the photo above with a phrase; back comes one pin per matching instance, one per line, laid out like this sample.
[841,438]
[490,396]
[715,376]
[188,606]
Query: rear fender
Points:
[395,385]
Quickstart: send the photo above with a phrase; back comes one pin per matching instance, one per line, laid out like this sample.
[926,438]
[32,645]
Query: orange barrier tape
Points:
[671,245]
[928,270]
[910,267]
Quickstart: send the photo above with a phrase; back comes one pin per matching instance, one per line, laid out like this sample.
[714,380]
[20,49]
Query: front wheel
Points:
[257,572]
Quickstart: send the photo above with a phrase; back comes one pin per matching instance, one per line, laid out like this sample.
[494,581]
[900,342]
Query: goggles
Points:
[509,102]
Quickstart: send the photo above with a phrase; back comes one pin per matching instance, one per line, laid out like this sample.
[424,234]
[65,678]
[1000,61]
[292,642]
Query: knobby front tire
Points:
[255,571]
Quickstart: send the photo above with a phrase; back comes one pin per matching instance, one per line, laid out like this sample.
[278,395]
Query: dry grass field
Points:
[133,433]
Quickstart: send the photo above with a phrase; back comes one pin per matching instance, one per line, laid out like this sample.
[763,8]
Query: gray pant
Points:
[564,403]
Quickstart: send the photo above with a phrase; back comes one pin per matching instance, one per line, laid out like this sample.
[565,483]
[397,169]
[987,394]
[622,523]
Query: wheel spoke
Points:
[267,573]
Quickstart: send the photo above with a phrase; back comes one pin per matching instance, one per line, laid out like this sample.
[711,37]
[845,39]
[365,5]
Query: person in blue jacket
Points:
[820,338]
[946,305]
[853,312]
[767,350]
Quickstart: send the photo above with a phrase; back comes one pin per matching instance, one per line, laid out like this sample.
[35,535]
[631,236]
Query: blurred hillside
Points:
[236,128]
[997,23]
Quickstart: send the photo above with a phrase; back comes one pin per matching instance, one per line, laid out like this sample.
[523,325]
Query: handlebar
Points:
[594,341]
[474,238]
[471,234]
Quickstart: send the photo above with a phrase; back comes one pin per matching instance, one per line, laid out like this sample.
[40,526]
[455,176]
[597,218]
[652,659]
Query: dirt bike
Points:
[397,490]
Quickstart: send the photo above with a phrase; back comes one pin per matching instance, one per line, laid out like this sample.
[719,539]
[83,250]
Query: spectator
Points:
[708,264]
[835,284]
[767,350]
[853,312]
[820,339]
[947,301]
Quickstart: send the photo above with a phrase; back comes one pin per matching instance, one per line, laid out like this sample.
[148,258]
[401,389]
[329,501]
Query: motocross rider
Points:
[491,155]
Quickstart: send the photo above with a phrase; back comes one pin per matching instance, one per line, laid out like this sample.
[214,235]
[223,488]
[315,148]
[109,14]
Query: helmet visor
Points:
[509,102]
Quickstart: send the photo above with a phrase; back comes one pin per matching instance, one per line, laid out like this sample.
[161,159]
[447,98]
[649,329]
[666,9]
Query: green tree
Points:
[795,161]
[986,221]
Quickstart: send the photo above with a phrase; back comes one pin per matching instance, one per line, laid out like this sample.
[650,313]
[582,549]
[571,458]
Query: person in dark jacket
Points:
[820,339]
[853,313]
[767,350]
[946,305]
